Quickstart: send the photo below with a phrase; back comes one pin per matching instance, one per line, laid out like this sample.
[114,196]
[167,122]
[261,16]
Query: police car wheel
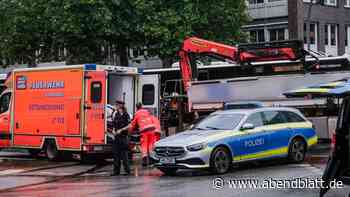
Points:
[220,161]
[168,171]
[297,150]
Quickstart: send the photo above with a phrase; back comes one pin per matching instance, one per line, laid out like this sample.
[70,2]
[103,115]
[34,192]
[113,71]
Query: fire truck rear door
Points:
[148,92]
[95,100]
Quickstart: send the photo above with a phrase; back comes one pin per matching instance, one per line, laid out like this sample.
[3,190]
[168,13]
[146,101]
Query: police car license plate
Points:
[167,160]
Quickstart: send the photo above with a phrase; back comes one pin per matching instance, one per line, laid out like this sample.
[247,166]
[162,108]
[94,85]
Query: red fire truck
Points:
[63,109]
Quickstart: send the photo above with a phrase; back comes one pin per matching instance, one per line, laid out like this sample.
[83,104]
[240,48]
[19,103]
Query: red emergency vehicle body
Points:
[62,108]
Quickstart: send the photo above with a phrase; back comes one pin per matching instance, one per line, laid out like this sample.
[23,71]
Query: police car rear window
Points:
[273,117]
[292,117]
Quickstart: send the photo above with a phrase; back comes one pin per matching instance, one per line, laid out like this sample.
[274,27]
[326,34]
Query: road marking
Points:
[320,156]
[11,171]
[97,174]
[4,159]
[49,174]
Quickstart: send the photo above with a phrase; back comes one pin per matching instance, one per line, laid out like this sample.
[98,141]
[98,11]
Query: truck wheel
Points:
[297,150]
[34,152]
[52,152]
[220,161]
[168,171]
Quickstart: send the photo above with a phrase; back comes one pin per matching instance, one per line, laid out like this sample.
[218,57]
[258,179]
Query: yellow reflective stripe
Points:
[224,135]
[312,90]
[287,125]
[260,129]
[333,84]
[269,153]
[312,140]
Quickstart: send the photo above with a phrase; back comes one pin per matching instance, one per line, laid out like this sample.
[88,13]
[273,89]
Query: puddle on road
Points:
[9,164]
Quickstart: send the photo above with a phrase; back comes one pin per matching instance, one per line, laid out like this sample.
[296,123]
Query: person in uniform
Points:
[120,145]
[143,123]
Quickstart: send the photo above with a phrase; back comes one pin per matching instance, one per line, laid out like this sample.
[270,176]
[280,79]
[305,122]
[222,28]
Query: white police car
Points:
[236,136]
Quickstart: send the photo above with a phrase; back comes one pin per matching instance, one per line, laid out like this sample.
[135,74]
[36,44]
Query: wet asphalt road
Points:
[22,176]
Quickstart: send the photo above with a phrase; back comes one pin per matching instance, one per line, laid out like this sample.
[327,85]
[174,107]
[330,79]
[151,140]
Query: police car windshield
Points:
[219,122]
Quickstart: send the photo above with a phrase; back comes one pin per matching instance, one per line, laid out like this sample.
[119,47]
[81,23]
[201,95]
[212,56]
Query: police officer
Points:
[121,143]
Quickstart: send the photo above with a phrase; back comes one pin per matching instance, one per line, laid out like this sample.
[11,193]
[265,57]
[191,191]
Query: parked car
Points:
[231,136]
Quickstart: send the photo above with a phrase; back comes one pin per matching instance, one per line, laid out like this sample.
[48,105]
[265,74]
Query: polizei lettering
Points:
[254,142]
[47,85]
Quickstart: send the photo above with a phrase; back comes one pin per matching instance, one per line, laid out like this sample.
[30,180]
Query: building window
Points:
[255,1]
[331,34]
[309,1]
[312,33]
[347,35]
[326,41]
[277,34]
[253,37]
[257,35]
[347,3]
[305,33]
[330,2]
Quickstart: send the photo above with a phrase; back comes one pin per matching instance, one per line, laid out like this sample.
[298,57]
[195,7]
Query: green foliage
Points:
[167,23]
[91,30]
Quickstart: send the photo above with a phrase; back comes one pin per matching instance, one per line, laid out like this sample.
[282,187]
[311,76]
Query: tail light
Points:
[333,141]
[88,148]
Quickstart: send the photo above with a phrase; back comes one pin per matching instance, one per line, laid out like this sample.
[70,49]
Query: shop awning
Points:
[337,88]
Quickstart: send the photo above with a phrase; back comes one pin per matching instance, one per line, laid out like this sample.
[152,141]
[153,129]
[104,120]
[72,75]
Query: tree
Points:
[81,31]
[168,22]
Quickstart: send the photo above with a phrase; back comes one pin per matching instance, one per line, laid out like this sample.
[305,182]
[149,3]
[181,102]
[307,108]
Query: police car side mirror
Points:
[247,126]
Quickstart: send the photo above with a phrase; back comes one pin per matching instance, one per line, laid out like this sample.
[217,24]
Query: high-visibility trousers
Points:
[147,140]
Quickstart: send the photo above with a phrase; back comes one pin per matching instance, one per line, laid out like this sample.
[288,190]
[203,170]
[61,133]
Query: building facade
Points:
[324,28]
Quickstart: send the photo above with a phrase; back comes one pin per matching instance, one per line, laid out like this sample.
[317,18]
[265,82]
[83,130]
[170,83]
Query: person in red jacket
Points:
[143,123]
[157,131]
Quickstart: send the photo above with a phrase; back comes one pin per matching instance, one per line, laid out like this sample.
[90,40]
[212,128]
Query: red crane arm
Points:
[196,46]
[245,53]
